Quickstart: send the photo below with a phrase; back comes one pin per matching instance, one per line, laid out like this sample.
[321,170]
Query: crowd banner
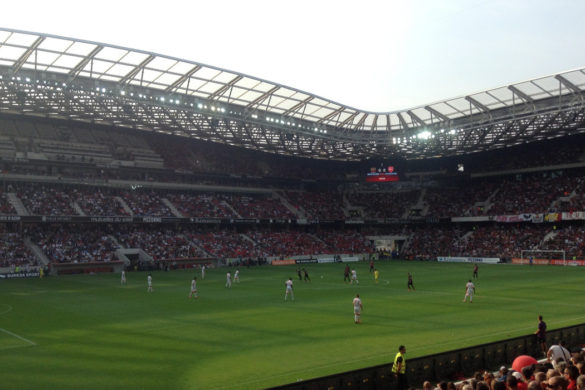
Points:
[573,216]
[553,217]
[485,260]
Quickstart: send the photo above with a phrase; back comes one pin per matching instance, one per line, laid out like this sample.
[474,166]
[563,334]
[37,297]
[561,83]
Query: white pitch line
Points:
[7,310]
[17,336]
[16,346]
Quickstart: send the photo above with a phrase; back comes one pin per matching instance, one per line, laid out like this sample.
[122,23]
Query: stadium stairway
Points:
[289,206]
[39,254]
[17,204]
[229,206]
[78,209]
[124,205]
[197,247]
[172,207]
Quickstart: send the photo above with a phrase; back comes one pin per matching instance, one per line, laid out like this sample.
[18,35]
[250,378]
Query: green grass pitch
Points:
[89,332]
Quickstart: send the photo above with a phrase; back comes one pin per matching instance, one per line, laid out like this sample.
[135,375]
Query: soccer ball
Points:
[321,276]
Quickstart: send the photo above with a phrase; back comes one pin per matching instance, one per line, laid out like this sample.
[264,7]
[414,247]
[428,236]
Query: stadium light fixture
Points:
[424,135]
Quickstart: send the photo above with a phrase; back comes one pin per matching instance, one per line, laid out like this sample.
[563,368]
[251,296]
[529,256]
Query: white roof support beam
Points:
[225,87]
[263,97]
[402,121]
[298,106]
[521,94]
[24,57]
[437,113]
[477,104]
[568,84]
[73,73]
[415,118]
[182,79]
[130,75]
[331,115]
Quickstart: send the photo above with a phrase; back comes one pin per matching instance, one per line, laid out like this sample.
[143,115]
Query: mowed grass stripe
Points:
[92,333]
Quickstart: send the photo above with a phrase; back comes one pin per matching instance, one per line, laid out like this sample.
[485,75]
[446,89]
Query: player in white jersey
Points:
[354,278]
[357,308]
[228,280]
[469,291]
[193,289]
[237,276]
[203,271]
[149,282]
[123,278]
[289,289]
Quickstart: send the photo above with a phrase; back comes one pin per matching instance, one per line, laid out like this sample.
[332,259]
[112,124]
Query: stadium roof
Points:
[87,81]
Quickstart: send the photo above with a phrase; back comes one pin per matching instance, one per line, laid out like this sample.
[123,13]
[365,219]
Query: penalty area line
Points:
[17,336]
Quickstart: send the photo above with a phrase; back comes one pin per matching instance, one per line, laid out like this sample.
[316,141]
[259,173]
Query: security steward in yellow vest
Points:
[399,369]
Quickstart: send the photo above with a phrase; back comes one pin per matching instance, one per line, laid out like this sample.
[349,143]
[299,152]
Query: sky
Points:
[379,56]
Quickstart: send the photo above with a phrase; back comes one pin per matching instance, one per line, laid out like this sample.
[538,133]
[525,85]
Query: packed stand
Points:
[501,240]
[226,245]
[98,202]
[74,244]
[161,244]
[146,204]
[570,238]
[426,242]
[383,204]
[458,201]
[318,205]
[532,194]
[346,242]
[40,199]
[259,206]
[206,205]
[289,243]
[5,206]
[14,253]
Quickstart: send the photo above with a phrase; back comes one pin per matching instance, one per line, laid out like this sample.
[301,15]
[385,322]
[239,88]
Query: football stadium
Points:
[168,224]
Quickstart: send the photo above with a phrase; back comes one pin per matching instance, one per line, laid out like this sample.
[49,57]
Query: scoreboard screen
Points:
[382,175]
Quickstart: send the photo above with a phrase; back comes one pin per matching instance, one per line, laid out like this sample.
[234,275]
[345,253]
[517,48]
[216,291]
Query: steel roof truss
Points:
[437,113]
[520,94]
[174,86]
[477,104]
[24,57]
[134,72]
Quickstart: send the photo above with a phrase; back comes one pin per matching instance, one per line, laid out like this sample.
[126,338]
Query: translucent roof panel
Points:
[85,59]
